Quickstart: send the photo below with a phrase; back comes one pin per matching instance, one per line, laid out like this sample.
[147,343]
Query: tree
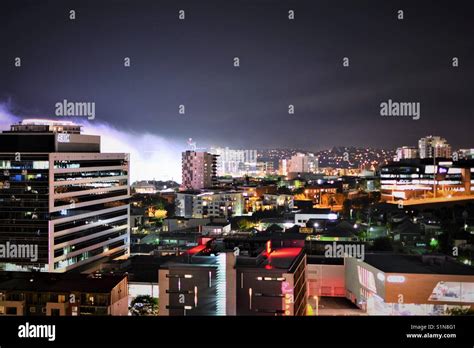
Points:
[144,305]
[245,224]
[160,214]
[258,215]
[170,209]
[362,235]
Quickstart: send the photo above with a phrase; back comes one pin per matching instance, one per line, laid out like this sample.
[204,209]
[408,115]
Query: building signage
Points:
[306,230]
[287,291]
[64,138]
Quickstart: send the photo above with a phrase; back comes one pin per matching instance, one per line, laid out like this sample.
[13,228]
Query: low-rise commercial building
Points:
[272,283]
[198,282]
[325,277]
[302,217]
[50,294]
[393,284]
[205,282]
[215,228]
[426,179]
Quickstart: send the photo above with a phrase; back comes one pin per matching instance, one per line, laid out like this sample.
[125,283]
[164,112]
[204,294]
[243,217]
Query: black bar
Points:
[291,331]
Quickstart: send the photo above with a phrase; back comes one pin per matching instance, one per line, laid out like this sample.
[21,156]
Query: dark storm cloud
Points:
[282,62]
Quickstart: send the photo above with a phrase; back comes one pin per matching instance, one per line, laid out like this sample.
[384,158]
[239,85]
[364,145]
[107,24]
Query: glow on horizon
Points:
[152,156]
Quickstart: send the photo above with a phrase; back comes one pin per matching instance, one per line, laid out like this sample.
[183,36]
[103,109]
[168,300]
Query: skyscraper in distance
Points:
[434,146]
[303,163]
[198,170]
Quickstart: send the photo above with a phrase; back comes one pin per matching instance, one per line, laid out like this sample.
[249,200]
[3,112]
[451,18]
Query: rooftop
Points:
[420,162]
[322,260]
[314,211]
[54,282]
[140,268]
[221,224]
[424,264]
[45,126]
[44,122]
[282,258]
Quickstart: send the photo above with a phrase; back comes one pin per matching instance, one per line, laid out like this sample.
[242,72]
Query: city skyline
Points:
[282,63]
[148,163]
[246,159]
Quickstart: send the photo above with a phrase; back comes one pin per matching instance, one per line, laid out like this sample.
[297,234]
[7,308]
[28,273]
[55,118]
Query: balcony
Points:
[12,308]
[56,308]
[94,310]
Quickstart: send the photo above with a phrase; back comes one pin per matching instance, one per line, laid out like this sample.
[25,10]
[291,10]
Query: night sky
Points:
[282,62]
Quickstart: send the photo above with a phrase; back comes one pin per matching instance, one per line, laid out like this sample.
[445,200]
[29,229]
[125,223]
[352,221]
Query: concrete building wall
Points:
[164,283]
[326,280]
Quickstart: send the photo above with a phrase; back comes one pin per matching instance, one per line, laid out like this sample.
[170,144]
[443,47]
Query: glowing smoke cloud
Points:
[6,117]
[151,156]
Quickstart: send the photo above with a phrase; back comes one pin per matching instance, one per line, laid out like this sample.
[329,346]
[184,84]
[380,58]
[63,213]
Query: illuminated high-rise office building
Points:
[59,193]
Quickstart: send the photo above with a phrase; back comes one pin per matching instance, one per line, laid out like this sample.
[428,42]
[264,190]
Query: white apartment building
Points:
[303,163]
[235,162]
[205,204]
[434,146]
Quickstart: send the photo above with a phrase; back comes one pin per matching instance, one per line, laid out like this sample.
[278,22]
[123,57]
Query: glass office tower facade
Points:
[59,194]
